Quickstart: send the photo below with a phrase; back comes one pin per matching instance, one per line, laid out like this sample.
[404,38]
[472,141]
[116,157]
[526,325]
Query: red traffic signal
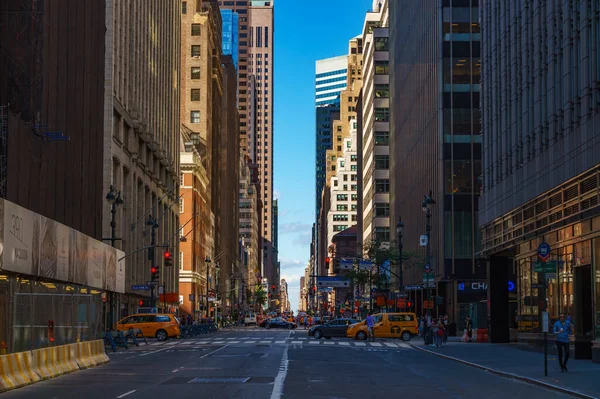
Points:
[141,302]
[327,260]
[153,270]
[168,258]
[273,288]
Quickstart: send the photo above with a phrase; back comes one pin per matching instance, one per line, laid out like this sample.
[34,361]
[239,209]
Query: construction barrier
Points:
[480,335]
[24,368]
[16,370]
[91,354]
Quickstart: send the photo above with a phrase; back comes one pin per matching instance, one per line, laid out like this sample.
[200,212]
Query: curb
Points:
[505,374]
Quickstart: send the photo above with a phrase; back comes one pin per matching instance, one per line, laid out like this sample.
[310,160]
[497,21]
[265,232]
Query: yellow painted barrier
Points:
[45,361]
[91,353]
[16,370]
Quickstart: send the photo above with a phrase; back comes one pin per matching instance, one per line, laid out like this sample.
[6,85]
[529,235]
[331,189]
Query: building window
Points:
[195,73]
[354,168]
[382,114]
[353,158]
[195,95]
[180,260]
[181,205]
[195,117]
[339,138]
[340,228]
[382,138]
[382,210]
[354,197]
[181,179]
[382,91]
[342,207]
[382,186]
[382,234]
[195,50]
[196,29]
[381,68]
[381,44]
[184,7]
[459,176]
[342,197]
[382,162]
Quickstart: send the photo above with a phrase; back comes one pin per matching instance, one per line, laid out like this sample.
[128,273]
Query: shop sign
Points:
[472,286]
[543,251]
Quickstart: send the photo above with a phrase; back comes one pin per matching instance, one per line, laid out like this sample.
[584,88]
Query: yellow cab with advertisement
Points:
[387,325]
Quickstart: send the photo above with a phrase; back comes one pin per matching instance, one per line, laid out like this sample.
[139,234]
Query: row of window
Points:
[345,207]
[344,197]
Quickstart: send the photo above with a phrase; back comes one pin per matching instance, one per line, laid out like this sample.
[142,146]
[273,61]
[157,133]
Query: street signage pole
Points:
[543,252]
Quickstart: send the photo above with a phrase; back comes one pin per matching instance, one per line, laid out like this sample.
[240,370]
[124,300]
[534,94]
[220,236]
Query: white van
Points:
[250,319]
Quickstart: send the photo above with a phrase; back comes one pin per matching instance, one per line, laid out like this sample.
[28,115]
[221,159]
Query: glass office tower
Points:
[230,34]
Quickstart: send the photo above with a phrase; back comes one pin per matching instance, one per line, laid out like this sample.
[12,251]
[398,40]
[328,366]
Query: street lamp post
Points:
[114,199]
[399,230]
[153,223]
[426,206]
[207,262]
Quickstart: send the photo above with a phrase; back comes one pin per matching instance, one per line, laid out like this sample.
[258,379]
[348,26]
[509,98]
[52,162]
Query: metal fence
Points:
[37,314]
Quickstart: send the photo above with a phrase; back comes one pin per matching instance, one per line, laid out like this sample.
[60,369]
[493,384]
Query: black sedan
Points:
[277,322]
[334,328]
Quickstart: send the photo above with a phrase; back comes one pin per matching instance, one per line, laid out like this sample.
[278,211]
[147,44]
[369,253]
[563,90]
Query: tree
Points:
[260,296]
[381,252]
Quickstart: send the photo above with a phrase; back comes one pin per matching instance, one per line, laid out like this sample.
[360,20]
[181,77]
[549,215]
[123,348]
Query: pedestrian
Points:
[433,328]
[371,326]
[469,328]
[446,326]
[421,326]
[441,331]
[563,329]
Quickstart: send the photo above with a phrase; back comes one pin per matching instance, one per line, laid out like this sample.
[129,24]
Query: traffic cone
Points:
[2,348]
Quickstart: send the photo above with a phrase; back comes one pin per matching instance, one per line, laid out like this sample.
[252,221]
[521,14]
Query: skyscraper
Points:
[330,80]
[230,34]
[255,99]
[435,143]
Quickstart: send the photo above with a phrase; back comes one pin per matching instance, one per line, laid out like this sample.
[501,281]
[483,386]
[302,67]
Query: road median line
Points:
[529,380]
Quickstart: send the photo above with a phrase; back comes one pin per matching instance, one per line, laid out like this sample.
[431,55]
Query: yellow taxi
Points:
[161,326]
[387,325]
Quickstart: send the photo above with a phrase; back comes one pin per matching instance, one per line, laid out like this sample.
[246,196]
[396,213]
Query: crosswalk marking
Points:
[390,344]
[264,342]
[360,344]
[375,344]
[329,343]
[234,342]
[344,343]
[314,342]
[280,342]
[296,342]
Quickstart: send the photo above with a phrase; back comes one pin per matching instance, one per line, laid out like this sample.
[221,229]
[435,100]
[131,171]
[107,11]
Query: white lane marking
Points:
[375,344]
[172,343]
[283,369]
[280,342]
[345,343]
[215,351]
[360,344]
[234,342]
[264,342]
[250,342]
[296,342]
[390,344]
[151,353]
[187,342]
[125,394]
[218,342]
[175,371]
[329,343]
[314,343]
[406,346]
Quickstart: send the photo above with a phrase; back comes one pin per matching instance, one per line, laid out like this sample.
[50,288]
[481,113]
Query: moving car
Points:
[334,328]
[161,326]
[387,325]
[277,322]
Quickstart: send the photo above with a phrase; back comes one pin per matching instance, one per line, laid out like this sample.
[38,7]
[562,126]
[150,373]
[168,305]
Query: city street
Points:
[257,363]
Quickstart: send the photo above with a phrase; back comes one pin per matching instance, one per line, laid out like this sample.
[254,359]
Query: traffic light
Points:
[273,288]
[168,258]
[409,304]
[327,260]
[154,272]
[141,302]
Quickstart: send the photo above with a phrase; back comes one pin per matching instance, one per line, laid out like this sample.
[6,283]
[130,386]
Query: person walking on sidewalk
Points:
[469,328]
[446,323]
[371,326]
[562,329]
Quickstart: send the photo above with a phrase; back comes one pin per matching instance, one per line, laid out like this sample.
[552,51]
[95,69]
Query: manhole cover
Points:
[231,380]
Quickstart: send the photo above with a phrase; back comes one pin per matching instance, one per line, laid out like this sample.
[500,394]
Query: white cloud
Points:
[295,227]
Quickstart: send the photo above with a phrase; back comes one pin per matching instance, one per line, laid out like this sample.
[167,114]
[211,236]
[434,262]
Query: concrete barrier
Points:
[91,353]
[45,362]
[16,370]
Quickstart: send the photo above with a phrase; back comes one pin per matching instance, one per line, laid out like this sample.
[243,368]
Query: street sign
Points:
[140,288]
[400,295]
[545,267]
[325,289]
[192,297]
[543,251]
[427,268]
[346,264]
[365,264]
[333,281]
[423,240]
[151,283]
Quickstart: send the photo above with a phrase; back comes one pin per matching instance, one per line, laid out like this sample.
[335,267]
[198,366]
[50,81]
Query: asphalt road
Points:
[256,363]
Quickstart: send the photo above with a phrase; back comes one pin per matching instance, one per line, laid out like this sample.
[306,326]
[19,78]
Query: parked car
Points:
[334,328]
[277,322]
[387,325]
[250,319]
[161,326]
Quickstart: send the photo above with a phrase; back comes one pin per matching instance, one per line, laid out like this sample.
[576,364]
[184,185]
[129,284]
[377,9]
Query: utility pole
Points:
[152,256]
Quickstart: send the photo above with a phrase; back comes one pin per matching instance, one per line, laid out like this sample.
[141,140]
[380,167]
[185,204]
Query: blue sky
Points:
[305,31]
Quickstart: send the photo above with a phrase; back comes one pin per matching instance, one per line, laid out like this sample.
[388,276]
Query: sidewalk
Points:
[582,379]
